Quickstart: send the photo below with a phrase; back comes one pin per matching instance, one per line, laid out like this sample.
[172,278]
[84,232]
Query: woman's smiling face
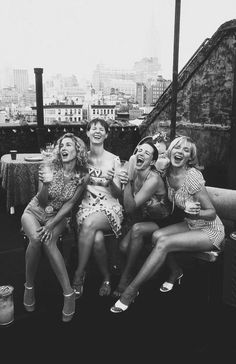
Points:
[144,156]
[97,133]
[67,150]
[181,153]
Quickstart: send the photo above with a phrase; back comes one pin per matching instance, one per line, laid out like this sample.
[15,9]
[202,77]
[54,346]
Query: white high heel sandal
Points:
[30,307]
[167,286]
[121,307]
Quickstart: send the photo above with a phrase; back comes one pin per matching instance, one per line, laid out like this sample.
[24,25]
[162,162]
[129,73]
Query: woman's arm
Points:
[207,210]
[150,186]
[42,194]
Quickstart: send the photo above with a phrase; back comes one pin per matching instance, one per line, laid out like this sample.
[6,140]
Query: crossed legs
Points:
[170,239]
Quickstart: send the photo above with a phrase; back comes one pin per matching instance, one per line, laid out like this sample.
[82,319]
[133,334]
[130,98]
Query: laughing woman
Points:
[145,199]
[100,210]
[202,230]
[45,217]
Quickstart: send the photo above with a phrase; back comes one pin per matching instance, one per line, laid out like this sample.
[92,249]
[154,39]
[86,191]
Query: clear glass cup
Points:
[123,169]
[47,165]
[190,204]
[6,305]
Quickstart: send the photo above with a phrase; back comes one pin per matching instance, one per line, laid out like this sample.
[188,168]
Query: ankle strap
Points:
[28,287]
[69,294]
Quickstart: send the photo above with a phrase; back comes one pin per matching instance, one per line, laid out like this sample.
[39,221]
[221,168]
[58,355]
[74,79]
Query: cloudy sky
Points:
[72,36]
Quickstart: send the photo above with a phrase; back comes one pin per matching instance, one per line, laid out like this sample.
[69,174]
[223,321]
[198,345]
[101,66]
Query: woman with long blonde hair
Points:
[201,230]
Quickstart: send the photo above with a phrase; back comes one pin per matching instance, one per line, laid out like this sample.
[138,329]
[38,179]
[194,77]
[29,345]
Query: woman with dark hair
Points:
[201,230]
[45,217]
[100,210]
[145,200]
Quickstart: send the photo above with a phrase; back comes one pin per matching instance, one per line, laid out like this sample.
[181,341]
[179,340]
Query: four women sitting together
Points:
[146,193]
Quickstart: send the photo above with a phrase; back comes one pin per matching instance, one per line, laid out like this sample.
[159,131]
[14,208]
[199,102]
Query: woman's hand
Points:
[110,174]
[45,233]
[45,174]
[192,209]
[123,176]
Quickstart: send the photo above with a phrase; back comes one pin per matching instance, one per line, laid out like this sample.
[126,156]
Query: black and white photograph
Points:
[118,181]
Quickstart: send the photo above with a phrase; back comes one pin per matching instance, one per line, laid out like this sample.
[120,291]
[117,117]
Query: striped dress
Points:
[193,183]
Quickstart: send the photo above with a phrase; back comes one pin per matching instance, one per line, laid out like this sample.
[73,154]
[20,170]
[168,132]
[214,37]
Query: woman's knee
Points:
[123,246]
[88,225]
[34,238]
[136,231]
[49,245]
[99,242]
[160,242]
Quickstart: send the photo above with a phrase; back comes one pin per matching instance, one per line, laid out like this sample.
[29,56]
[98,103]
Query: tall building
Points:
[103,75]
[21,80]
[148,93]
[146,69]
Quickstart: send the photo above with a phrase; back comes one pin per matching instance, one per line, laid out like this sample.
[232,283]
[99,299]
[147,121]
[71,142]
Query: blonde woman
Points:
[201,230]
[45,217]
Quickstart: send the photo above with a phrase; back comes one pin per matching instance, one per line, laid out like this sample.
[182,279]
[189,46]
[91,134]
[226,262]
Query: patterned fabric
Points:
[98,198]
[193,183]
[19,178]
[59,192]
[157,207]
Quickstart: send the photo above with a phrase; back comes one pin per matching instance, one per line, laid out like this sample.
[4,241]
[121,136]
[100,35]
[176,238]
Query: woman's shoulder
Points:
[155,176]
[194,180]
[110,156]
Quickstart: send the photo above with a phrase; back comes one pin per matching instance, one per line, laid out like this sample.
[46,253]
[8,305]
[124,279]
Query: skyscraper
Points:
[21,80]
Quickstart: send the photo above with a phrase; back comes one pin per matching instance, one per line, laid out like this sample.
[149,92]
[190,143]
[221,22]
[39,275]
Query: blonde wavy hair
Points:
[81,153]
[193,161]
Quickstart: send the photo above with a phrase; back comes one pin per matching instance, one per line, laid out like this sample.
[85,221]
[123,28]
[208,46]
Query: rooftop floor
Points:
[176,325]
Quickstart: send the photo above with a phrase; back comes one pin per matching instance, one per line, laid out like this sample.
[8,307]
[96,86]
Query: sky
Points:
[73,36]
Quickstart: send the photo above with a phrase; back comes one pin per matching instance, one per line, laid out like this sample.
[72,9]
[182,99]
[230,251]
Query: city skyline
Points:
[73,37]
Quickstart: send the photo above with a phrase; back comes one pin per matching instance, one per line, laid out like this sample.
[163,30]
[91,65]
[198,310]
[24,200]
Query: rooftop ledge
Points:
[199,126]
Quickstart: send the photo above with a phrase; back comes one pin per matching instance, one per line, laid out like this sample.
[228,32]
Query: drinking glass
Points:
[47,165]
[191,203]
[123,169]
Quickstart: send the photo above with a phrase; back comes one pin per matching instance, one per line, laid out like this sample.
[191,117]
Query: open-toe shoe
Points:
[69,301]
[105,288]
[120,306]
[78,286]
[167,286]
[29,299]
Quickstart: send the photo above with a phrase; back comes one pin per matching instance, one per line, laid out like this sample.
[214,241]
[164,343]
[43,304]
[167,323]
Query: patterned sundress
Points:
[193,183]
[98,198]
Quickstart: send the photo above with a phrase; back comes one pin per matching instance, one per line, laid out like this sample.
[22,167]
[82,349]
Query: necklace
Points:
[68,175]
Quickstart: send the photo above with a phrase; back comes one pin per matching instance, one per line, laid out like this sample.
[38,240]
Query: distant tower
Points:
[21,80]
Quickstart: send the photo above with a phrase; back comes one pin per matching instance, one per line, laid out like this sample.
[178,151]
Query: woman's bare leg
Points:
[181,240]
[136,242]
[90,226]
[58,265]
[101,257]
[33,251]
[56,259]
[174,268]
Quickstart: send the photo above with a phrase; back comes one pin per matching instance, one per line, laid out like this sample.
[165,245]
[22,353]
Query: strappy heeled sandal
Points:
[105,288]
[167,286]
[120,307]
[66,317]
[78,286]
[29,299]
